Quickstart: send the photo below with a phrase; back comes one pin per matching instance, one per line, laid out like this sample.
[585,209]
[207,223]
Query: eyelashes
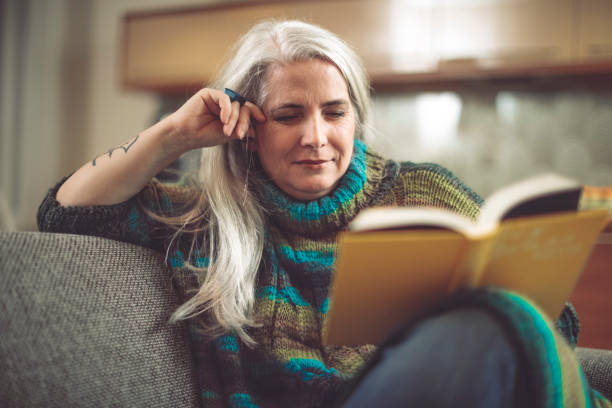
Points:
[285,118]
[291,118]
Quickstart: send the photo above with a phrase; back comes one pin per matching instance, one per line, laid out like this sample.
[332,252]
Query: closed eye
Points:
[336,115]
[286,118]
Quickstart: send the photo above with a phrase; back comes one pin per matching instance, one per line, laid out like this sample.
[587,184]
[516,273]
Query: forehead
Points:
[306,82]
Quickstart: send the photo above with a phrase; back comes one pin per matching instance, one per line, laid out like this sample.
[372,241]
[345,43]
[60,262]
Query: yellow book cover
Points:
[395,263]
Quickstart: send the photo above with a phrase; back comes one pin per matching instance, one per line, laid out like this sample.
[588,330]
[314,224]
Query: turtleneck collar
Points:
[355,191]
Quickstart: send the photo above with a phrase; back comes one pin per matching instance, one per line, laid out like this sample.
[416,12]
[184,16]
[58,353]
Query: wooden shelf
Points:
[597,76]
[403,44]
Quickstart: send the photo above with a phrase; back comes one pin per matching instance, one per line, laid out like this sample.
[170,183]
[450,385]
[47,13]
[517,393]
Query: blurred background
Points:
[495,90]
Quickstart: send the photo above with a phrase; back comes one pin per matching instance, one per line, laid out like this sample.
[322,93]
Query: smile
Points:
[311,162]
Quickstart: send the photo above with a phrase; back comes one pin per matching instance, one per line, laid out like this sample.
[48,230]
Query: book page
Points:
[541,194]
[542,257]
[384,278]
[381,218]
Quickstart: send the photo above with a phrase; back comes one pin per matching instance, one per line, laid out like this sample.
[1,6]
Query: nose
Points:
[314,135]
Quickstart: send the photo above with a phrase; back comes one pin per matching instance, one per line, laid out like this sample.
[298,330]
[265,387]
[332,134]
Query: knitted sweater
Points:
[290,367]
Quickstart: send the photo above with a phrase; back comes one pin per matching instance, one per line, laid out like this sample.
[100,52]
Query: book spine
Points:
[472,264]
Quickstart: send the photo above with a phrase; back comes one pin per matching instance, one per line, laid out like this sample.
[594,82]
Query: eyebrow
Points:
[334,102]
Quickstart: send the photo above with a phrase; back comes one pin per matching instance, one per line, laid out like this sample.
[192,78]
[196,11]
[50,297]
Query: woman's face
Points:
[306,143]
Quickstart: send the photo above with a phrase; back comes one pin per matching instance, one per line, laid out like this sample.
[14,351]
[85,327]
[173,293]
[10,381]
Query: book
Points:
[395,262]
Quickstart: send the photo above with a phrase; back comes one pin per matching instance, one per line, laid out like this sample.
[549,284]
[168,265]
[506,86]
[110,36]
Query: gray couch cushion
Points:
[597,366]
[84,323]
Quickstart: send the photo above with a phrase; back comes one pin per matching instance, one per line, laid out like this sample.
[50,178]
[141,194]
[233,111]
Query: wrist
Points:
[168,138]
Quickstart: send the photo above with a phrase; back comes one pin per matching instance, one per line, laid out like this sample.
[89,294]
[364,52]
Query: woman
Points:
[252,242]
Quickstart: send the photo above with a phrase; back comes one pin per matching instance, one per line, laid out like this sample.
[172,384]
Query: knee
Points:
[459,337]
[462,356]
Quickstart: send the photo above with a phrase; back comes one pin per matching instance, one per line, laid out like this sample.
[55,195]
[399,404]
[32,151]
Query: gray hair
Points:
[235,227]
[280,43]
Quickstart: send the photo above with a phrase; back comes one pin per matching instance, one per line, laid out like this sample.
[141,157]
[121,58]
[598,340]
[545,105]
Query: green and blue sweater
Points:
[290,366]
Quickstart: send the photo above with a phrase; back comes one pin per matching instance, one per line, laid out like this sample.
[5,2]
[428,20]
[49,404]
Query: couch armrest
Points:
[597,365]
[84,323]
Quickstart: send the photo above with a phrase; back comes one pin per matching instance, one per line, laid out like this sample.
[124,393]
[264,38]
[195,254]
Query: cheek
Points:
[346,136]
[263,138]
[276,138]
[272,146]
[346,127]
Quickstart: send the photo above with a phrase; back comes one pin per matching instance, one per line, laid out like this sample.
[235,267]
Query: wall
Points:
[61,101]
[32,82]
[491,137]
[117,115]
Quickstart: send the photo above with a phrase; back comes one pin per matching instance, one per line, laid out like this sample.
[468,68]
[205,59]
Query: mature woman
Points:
[252,243]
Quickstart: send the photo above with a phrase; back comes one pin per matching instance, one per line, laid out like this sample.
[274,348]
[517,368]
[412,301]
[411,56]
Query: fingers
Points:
[239,122]
[243,122]
[257,113]
[223,105]
[236,119]
[230,125]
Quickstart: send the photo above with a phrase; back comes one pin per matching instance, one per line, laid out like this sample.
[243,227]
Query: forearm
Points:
[207,119]
[122,172]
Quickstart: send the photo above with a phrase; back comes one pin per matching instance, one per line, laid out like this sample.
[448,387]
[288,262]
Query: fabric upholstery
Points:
[84,323]
[597,365]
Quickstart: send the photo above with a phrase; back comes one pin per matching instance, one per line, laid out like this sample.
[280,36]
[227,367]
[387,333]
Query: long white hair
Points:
[229,213]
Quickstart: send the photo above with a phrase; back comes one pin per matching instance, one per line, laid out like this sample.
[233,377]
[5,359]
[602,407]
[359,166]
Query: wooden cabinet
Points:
[595,30]
[496,33]
[187,47]
[401,41]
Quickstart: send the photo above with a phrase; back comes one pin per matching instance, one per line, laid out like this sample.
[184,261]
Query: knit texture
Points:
[290,367]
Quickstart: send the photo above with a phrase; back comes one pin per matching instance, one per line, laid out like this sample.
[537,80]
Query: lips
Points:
[320,161]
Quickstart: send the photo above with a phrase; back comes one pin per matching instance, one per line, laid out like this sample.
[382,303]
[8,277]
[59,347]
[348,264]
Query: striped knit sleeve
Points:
[554,370]
[128,221]
[431,185]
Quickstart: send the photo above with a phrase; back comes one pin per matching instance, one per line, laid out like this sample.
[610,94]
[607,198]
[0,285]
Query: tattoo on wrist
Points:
[126,146]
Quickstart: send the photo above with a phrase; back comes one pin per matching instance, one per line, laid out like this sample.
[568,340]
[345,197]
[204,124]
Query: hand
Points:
[208,119]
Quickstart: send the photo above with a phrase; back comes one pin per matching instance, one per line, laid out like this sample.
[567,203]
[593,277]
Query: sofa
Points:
[84,322]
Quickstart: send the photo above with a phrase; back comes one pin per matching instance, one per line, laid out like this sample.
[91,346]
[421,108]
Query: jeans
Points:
[460,358]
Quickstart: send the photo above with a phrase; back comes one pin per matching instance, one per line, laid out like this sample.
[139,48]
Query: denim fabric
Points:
[460,358]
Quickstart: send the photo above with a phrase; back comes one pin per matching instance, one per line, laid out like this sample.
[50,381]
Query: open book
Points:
[396,262]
